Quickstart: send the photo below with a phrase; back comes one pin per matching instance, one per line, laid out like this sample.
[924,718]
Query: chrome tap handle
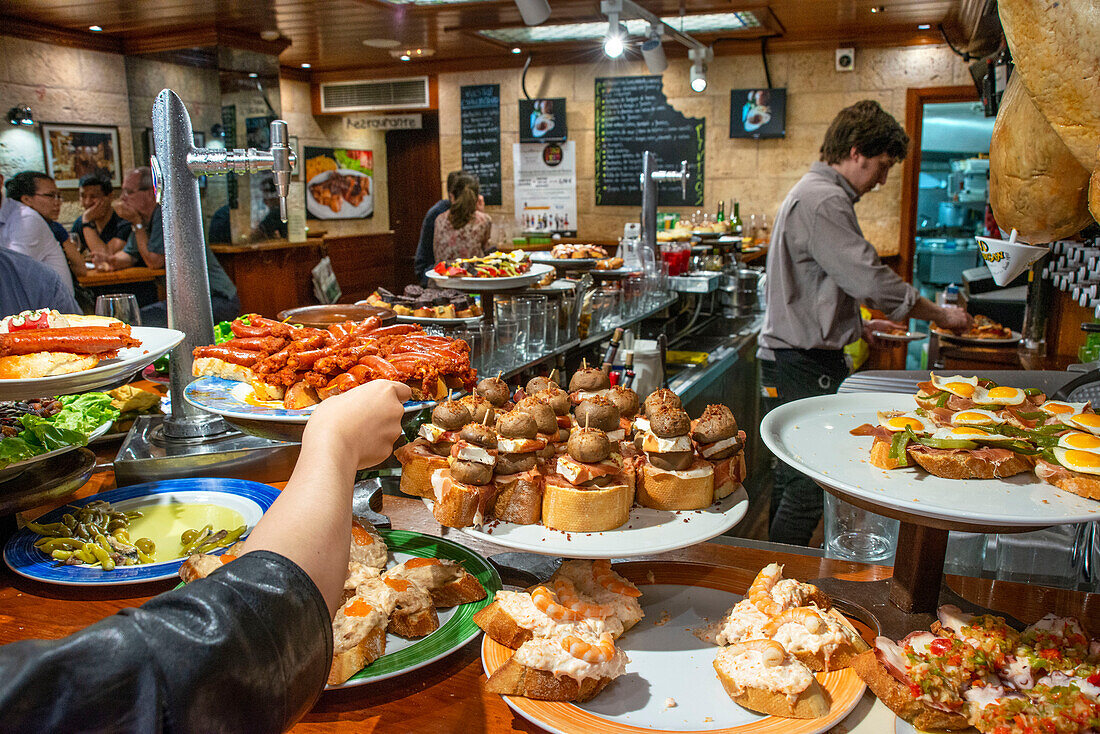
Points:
[684,175]
[282,162]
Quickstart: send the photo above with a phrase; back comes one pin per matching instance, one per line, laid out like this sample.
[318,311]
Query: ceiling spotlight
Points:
[306,66]
[533,12]
[252,75]
[878,8]
[699,59]
[654,53]
[270,35]
[405,57]
[21,115]
[923,26]
[95,28]
[517,50]
[614,40]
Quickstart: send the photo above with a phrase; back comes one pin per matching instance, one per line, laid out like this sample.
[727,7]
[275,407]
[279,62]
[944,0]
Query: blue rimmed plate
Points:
[250,499]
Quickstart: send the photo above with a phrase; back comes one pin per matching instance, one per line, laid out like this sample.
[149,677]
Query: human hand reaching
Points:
[953,319]
[362,423]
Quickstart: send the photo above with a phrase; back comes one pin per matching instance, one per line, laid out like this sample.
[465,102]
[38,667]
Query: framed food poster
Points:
[758,113]
[339,183]
[75,151]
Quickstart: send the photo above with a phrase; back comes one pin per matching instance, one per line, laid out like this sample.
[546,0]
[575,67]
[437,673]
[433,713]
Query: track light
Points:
[21,115]
[533,12]
[654,52]
[699,58]
[613,42]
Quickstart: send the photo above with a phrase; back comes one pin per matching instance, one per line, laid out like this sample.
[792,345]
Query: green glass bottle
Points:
[737,228]
[721,211]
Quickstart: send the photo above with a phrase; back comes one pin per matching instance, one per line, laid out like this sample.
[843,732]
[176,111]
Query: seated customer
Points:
[48,205]
[464,230]
[26,285]
[99,230]
[23,229]
[138,205]
[247,648]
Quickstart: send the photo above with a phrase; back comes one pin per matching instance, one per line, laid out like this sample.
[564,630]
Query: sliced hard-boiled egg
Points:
[968,433]
[1082,461]
[1085,421]
[964,387]
[975,417]
[1005,396]
[909,420]
[1080,442]
[1062,408]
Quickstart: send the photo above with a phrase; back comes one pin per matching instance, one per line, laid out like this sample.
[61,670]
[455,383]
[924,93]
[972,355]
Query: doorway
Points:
[413,186]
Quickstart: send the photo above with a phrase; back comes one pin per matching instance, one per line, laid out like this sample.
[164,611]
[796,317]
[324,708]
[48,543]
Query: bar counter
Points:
[450,695]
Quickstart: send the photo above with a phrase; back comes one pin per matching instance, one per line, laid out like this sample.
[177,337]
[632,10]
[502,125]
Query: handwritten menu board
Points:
[633,116]
[480,106]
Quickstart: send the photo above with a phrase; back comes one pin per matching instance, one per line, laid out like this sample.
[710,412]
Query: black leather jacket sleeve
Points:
[246,649]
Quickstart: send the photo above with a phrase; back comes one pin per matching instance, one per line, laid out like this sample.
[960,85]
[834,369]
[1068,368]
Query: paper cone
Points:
[1005,259]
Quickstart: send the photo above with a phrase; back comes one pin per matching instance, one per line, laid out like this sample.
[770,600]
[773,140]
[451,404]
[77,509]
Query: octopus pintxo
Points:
[303,366]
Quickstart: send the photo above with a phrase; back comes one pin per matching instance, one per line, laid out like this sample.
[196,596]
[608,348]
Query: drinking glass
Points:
[853,534]
[521,313]
[507,350]
[488,346]
[121,306]
[553,323]
[535,309]
[1053,556]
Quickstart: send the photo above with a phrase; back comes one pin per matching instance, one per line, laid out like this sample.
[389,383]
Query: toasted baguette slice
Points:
[566,506]
[358,639]
[513,679]
[897,696]
[500,626]
[691,489]
[414,613]
[418,462]
[963,464]
[519,498]
[45,364]
[459,505]
[201,565]
[1085,485]
[842,655]
[367,545]
[811,703]
[447,581]
[880,455]
[728,473]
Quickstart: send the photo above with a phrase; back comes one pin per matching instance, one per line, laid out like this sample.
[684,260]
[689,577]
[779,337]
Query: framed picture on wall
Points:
[339,183]
[542,121]
[758,113]
[75,151]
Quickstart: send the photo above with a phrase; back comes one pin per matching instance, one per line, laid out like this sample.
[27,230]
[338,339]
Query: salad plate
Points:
[534,275]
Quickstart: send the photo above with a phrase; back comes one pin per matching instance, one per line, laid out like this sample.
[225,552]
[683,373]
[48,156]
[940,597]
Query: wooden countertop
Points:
[123,275]
[312,240]
[450,695]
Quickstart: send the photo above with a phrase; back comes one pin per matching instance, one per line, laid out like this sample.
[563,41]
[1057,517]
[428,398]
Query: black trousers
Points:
[797,501]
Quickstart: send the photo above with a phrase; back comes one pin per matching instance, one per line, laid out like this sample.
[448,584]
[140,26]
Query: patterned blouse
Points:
[472,240]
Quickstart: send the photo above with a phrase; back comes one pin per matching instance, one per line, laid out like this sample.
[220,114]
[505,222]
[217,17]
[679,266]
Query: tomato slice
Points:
[939,646]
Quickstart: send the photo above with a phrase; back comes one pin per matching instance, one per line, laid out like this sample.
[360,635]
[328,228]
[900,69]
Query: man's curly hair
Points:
[868,128]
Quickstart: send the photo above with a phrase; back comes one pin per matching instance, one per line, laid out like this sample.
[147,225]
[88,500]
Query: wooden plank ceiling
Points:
[329,35]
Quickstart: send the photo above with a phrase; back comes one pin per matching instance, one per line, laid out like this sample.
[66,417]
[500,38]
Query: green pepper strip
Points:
[1033,391]
[947,443]
[102,556]
[942,399]
[898,446]
[1033,415]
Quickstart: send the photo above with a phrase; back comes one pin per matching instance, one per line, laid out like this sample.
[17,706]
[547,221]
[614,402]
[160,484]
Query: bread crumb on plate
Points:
[670,703]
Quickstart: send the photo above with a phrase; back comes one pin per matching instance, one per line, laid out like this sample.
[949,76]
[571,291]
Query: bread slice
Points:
[459,505]
[811,703]
[963,464]
[418,462]
[568,507]
[519,498]
[842,655]
[414,613]
[201,565]
[897,696]
[45,364]
[880,455]
[513,679]
[358,639]
[367,545]
[447,581]
[690,489]
[214,367]
[500,626]
[728,473]
[1086,485]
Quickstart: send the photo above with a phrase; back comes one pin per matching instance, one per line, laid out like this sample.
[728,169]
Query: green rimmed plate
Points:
[456,625]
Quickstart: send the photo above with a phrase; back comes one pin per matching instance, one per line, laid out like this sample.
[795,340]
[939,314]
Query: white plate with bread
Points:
[86,372]
[813,436]
[648,531]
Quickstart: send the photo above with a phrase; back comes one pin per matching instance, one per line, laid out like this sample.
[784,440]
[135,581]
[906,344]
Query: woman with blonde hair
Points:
[464,230]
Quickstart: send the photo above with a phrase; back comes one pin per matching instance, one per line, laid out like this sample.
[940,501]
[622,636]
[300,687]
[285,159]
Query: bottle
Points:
[721,211]
[612,349]
[752,233]
[628,368]
[737,228]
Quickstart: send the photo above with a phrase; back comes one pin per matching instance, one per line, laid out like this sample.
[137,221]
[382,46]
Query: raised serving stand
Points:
[812,435]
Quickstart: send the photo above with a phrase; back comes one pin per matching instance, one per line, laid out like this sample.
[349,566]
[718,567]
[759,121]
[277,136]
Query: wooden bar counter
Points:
[275,275]
[450,695]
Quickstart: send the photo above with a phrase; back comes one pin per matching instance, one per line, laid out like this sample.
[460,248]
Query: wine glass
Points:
[121,306]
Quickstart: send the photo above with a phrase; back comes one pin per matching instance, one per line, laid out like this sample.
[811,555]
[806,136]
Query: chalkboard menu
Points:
[481,137]
[633,116]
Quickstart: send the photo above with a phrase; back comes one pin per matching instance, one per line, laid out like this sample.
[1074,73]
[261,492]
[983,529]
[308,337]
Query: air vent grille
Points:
[388,94]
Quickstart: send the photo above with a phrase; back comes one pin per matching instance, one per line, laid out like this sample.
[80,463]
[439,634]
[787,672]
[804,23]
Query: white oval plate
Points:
[647,532]
[154,343]
[812,436]
[535,274]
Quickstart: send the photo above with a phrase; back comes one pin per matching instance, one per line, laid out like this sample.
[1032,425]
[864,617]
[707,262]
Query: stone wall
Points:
[329,131]
[756,173]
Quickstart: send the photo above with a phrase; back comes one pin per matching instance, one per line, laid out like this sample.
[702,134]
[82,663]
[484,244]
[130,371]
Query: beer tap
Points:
[650,179]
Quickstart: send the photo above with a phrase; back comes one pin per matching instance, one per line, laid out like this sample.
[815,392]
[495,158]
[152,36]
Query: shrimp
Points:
[567,595]
[805,616]
[601,652]
[544,601]
[759,592]
[613,582]
[771,652]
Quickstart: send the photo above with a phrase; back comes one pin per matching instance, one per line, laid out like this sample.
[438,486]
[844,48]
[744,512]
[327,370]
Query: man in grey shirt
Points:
[820,269]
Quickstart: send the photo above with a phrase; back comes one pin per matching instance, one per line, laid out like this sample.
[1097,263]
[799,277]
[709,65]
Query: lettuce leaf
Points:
[352,163]
[14,448]
[85,413]
[41,432]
